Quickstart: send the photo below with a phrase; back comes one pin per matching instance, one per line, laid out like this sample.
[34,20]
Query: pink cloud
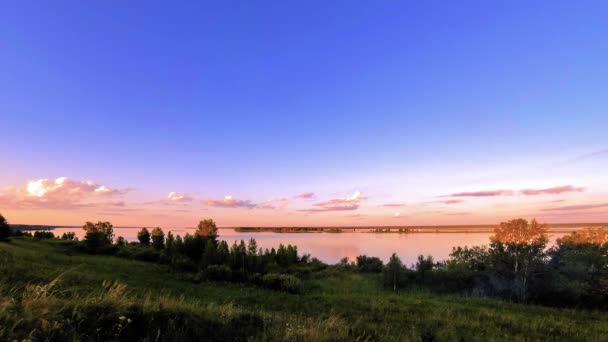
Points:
[394,205]
[577,207]
[275,203]
[349,203]
[305,195]
[452,201]
[229,202]
[60,193]
[178,198]
[488,193]
[552,191]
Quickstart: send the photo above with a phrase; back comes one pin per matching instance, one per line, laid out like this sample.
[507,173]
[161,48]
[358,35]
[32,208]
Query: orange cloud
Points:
[552,191]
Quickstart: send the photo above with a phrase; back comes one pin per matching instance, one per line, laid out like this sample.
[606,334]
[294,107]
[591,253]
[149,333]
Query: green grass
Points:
[336,305]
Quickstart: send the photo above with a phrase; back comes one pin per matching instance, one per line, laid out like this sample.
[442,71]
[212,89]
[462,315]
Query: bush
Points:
[217,273]
[282,282]
[147,254]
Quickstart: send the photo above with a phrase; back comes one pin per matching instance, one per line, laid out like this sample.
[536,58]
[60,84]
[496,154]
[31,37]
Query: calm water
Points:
[330,248]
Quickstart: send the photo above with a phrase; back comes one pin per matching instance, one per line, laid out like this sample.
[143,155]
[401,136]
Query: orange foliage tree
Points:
[207,228]
[521,245]
[597,236]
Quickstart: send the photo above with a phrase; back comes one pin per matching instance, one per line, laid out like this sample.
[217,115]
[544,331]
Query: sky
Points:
[303,113]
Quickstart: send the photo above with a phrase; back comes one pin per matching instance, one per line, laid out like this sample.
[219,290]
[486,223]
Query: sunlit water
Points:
[331,247]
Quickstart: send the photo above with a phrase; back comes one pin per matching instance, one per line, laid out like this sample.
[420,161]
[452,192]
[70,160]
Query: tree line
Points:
[516,265]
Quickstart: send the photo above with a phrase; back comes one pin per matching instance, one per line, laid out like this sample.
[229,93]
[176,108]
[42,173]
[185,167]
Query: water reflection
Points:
[330,248]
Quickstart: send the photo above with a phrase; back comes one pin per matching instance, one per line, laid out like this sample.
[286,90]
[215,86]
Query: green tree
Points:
[69,236]
[424,265]
[120,241]
[207,229]
[170,243]
[158,238]
[144,236]
[519,245]
[5,229]
[223,253]
[98,234]
[210,254]
[393,272]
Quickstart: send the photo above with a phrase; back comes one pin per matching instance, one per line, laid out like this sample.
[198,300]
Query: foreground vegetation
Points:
[50,293]
[167,288]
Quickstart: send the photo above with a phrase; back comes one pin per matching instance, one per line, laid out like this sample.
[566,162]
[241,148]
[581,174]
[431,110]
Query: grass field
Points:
[49,293]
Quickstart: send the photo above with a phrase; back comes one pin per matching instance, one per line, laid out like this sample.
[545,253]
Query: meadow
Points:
[49,291]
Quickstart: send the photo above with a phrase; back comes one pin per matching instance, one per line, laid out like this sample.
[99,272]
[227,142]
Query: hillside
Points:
[50,293]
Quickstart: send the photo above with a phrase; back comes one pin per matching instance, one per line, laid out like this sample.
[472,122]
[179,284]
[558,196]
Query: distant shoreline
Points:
[464,229]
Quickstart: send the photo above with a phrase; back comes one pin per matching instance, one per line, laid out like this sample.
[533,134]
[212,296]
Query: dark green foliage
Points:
[281,282]
[5,229]
[369,264]
[424,265]
[69,236]
[143,236]
[577,274]
[41,234]
[394,273]
[210,254]
[217,273]
[338,305]
[120,241]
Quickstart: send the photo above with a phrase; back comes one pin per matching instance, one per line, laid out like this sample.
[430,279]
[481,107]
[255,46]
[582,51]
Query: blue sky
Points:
[264,100]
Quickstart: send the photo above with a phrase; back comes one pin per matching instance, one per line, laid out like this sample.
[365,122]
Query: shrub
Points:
[146,254]
[217,273]
[282,282]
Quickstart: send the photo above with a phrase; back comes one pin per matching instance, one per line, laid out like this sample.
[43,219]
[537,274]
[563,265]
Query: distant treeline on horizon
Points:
[410,228]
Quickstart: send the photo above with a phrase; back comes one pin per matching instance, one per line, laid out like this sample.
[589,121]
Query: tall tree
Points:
[208,229]
[144,236]
[158,238]
[520,245]
[98,234]
[393,272]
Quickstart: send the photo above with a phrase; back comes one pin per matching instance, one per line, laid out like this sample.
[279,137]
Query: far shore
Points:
[451,229]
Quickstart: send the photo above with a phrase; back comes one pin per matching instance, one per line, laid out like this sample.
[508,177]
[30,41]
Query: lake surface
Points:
[331,247]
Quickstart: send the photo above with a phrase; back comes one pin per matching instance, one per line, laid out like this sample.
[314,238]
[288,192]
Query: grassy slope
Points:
[353,301]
